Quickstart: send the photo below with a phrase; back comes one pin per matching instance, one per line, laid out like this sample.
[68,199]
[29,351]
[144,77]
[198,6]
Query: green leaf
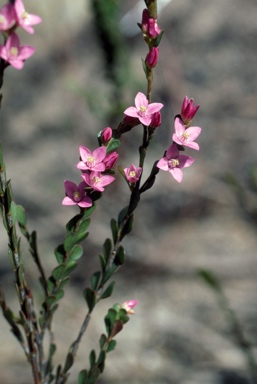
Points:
[93,375]
[21,215]
[92,358]
[120,256]
[69,362]
[59,294]
[82,378]
[109,273]
[112,145]
[123,213]
[102,341]
[108,291]
[71,225]
[73,238]
[95,279]
[90,297]
[64,282]
[102,262]
[127,227]
[69,268]
[144,66]
[114,228]
[57,273]
[60,254]
[107,249]
[111,346]
[75,253]
[50,300]
[51,284]
[101,360]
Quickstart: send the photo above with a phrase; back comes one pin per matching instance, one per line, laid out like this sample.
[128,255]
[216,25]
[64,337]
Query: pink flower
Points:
[106,135]
[129,305]
[133,173]
[188,110]
[92,161]
[13,53]
[185,136]
[76,195]
[143,110]
[110,160]
[96,180]
[173,162]
[7,17]
[25,19]
[152,57]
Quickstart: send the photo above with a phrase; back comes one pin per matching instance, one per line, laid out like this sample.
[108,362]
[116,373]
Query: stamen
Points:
[132,173]
[14,51]
[77,196]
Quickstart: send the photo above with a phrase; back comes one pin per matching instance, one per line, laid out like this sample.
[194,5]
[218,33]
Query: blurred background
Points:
[86,71]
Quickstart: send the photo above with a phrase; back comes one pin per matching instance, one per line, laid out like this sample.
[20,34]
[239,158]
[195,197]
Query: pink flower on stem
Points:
[76,195]
[110,160]
[185,136]
[143,110]
[7,17]
[133,173]
[13,53]
[24,19]
[129,305]
[92,161]
[188,110]
[96,180]
[173,162]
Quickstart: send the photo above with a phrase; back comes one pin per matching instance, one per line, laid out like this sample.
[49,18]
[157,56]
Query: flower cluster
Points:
[11,17]
[184,135]
[96,167]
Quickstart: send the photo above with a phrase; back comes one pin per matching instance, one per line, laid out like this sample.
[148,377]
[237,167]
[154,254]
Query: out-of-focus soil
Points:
[56,103]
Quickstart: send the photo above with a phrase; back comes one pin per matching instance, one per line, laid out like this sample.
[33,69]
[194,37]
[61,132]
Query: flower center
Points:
[24,15]
[77,196]
[173,163]
[96,180]
[90,161]
[185,135]
[2,19]
[142,110]
[14,51]
[132,173]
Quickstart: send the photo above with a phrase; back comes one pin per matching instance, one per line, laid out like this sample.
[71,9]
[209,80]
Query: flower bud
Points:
[129,305]
[152,57]
[106,135]
[110,160]
[156,120]
[188,110]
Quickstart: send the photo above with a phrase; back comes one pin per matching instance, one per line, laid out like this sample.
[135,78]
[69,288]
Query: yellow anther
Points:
[142,108]
[132,173]
[14,51]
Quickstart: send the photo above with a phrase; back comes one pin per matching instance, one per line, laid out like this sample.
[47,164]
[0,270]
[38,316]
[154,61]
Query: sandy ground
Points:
[58,102]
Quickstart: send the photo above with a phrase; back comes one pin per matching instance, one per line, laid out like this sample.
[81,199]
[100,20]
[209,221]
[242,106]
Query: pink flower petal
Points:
[154,107]
[193,132]
[177,174]
[141,100]
[179,127]
[68,201]
[131,111]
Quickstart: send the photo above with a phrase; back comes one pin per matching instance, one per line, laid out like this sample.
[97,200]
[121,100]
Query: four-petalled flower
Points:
[143,110]
[129,305]
[92,161]
[133,173]
[15,54]
[185,136]
[96,180]
[76,194]
[173,162]
[24,19]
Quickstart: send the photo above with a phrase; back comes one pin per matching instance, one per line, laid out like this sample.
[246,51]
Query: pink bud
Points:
[188,110]
[152,57]
[156,120]
[110,160]
[129,305]
[149,25]
[106,135]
